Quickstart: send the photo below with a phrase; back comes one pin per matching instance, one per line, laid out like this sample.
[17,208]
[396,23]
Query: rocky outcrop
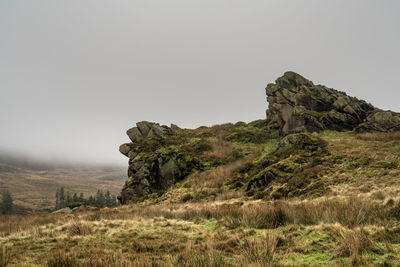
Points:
[160,156]
[292,169]
[149,171]
[297,105]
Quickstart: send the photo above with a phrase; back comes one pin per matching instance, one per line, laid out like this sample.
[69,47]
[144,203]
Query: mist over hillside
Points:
[33,182]
[34,162]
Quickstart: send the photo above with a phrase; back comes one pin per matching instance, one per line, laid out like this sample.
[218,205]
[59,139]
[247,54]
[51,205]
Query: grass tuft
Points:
[4,256]
[260,251]
[61,259]
[79,228]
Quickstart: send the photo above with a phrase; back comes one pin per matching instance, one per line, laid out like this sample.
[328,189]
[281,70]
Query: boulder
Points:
[134,134]
[145,129]
[64,210]
[297,105]
[381,121]
[124,149]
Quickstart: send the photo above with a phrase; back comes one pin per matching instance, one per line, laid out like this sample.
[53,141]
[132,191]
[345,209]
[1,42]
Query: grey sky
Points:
[74,75]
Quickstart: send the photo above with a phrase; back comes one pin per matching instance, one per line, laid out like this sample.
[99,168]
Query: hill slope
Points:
[203,221]
[265,193]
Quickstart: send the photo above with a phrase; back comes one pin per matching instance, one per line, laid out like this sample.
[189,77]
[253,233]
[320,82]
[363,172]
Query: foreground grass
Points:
[338,232]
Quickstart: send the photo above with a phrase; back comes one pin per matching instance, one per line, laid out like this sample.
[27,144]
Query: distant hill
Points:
[33,183]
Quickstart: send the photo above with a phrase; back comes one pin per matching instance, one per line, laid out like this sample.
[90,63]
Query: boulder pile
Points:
[297,105]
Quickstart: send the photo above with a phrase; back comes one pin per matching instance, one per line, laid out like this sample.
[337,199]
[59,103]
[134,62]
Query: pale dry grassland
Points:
[341,232]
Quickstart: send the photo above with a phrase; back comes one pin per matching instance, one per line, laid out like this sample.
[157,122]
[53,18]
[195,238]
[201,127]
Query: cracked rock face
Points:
[297,105]
[148,174]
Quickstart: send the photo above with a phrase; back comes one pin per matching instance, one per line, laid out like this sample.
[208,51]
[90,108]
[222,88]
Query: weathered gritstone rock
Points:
[297,105]
[147,129]
[160,156]
[147,174]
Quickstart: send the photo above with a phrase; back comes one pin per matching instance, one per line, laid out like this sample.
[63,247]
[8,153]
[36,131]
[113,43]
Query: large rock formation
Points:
[297,105]
[160,156]
[148,170]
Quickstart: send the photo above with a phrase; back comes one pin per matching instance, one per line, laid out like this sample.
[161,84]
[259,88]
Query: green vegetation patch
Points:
[292,170]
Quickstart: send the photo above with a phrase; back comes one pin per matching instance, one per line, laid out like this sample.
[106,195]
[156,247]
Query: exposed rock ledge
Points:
[297,105]
[147,174]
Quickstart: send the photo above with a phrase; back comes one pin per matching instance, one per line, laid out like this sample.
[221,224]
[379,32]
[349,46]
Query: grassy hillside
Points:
[331,199]
[33,186]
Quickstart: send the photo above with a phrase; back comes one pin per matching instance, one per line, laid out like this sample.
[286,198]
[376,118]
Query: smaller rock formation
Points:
[297,105]
[155,164]
[149,172]
[147,129]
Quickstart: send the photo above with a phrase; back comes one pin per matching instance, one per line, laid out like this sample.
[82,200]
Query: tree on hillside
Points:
[57,200]
[62,198]
[81,198]
[6,205]
[107,197]
[91,200]
[100,200]
[68,198]
[75,198]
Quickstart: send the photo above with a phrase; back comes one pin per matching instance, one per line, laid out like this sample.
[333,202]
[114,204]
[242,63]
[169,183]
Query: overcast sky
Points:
[76,74]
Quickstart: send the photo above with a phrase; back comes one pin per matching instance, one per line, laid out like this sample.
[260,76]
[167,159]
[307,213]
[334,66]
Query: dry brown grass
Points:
[379,136]
[16,223]
[191,256]
[79,228]
[221,150]
[219,130]
[115,260]
[4,256]
[259,252]
[214,178]
[353,244]
[211,234]
[60,259]
[349,212]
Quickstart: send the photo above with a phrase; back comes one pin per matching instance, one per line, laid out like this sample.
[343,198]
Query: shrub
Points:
[186,197]
[192,257]
[353,243]
[260,252]
[79,228]
[60,259]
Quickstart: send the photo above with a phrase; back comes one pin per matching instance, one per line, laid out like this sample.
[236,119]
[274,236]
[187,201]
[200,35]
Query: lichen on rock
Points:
[160,156]
[297,105]
[149,169]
